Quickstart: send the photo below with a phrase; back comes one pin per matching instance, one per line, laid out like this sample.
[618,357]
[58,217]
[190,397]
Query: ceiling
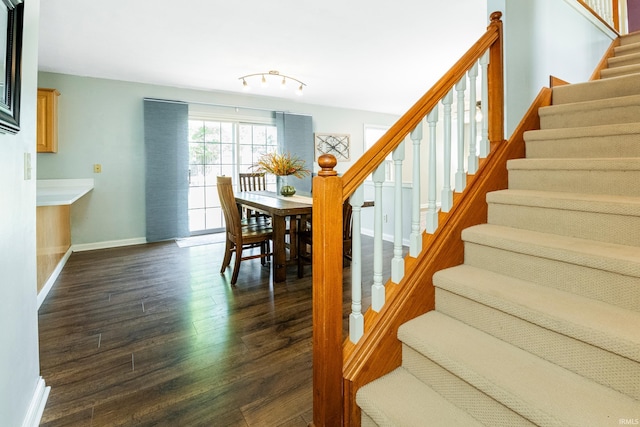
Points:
[375,56]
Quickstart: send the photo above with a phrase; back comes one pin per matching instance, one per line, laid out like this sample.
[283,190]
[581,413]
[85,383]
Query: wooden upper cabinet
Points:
[47,128]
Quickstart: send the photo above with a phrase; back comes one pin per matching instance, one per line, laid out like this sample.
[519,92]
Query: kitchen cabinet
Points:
[47,126]
[54,198]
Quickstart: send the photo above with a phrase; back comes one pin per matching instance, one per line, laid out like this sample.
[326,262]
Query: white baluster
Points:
[432,212]
[484,105]
[415,239]
[472,163]
[446,197]
[397,263]
[356,319]
[377,289]
[461,175]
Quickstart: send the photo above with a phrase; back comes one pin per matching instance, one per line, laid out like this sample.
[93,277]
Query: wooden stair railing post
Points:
[496,84]
[327,255]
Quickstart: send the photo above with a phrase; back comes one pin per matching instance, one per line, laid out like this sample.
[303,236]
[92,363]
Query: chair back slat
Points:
[229,208]
[253,181]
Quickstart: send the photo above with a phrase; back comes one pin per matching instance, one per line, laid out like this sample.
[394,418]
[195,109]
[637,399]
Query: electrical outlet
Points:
[97,168]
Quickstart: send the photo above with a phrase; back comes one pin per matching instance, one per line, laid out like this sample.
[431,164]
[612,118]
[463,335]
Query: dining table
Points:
[280,208]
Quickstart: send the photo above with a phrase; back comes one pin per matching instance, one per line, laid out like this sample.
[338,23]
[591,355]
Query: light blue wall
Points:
[19,362]
[543,38]
[100,121]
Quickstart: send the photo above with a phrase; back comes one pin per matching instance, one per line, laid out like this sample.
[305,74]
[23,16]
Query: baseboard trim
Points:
[108,244]
[42,295]
[36,407]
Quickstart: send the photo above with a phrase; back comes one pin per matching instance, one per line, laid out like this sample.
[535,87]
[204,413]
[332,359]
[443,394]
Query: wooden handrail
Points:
[616,15]
[366,164]
[333,404]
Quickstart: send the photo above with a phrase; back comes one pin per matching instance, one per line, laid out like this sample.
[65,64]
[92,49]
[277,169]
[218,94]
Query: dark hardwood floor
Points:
[154,335]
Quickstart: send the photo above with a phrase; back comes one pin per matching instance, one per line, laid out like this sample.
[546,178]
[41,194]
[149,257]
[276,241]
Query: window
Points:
[221,148]
[372,134]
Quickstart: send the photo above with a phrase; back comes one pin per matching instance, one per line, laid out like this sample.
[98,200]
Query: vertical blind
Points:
[166,129]
[295,135]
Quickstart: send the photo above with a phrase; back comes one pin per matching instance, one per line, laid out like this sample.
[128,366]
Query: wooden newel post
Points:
[327,294]
[496,84]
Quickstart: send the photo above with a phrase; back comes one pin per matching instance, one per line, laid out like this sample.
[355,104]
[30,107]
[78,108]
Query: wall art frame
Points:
[11,20]
[338,144]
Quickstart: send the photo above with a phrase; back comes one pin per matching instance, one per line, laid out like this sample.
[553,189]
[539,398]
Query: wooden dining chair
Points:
[305,241]
[253,181]
[241,234]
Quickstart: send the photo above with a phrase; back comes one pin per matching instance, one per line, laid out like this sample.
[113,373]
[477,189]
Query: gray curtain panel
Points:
[295,135]
[166,129]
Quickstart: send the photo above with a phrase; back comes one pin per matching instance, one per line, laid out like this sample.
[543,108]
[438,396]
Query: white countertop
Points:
[56,192]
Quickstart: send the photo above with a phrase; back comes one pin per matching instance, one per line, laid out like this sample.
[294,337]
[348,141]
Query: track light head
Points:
[265,82]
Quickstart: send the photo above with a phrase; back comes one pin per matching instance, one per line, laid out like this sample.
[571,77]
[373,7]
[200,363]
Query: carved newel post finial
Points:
[327,162]
[495,16]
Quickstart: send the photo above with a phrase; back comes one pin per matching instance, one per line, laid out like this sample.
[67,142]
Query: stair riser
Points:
[620,229]
[460,393]
[617,183]
[628,39]
[599,365]
[631,49]
[622,70]
[612,288]
[595,90]
[625,59]
[551,119]
[585,147]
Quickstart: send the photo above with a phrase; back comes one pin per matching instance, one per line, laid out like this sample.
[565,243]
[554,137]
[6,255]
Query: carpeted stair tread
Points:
[597,89]
[600,164]
[630,38]
[620,60]
[604,218]
[627,49]
[582,132]
[400,399]
[621,109]
[620,70]
[610,140]
[611,257]
[585,319]
[542,392]
[614,176]
[602,203]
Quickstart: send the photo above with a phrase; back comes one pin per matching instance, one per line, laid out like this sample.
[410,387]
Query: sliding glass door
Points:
[221,148]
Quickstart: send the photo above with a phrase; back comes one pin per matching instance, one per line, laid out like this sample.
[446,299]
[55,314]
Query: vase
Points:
[283,187]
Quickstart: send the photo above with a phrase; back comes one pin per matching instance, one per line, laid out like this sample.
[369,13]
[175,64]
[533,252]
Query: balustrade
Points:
[449,160]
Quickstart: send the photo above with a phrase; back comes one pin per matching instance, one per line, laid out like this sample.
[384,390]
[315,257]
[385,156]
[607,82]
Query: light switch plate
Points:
[27,166]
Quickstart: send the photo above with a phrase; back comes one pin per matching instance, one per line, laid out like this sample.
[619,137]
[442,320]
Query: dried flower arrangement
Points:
[281,165]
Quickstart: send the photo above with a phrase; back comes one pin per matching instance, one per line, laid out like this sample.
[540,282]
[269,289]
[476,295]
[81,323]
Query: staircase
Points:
[541,324]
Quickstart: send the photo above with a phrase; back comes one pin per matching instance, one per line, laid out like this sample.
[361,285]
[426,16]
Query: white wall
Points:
[19,362]
[543,38]
[101,121]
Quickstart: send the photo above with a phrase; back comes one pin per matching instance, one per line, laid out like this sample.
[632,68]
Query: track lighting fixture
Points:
[276,74]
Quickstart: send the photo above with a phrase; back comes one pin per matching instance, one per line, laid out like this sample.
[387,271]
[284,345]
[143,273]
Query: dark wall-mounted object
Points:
[11,23]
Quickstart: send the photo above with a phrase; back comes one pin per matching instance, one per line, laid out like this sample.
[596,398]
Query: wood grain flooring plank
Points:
[154,335]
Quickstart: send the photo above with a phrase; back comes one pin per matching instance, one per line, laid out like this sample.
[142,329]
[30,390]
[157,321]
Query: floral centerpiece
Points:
[282,165]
